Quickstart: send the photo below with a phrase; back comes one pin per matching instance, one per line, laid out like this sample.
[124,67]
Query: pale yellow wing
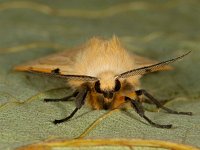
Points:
[61,60]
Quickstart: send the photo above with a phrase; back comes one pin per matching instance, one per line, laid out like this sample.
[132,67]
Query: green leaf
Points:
[155,29]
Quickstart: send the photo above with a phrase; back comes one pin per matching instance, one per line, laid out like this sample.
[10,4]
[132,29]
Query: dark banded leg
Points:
[139,109]
[67,118]
[62,99]
[158,104]
[80,101]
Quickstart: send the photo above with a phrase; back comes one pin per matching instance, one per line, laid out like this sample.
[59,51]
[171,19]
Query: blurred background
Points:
[158,29]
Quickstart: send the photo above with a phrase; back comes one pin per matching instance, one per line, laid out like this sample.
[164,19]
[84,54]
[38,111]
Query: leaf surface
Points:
[158,30]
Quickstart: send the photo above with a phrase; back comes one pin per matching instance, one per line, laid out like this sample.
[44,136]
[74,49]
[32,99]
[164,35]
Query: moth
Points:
[104,75]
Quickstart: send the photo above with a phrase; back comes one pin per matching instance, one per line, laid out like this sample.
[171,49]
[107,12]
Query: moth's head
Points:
[107,85]
[107,92]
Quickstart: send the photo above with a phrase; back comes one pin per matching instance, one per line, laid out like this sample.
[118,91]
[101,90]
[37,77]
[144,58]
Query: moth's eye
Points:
[117,85]
[97,87]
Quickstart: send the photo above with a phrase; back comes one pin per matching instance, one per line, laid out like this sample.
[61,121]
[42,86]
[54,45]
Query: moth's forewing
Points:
[61,60]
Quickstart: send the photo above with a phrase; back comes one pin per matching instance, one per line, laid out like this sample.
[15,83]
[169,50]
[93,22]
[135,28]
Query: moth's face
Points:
[109,91]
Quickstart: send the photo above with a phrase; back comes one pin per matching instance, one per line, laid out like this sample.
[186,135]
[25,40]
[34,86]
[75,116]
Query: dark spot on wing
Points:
[147,70]
[56,71]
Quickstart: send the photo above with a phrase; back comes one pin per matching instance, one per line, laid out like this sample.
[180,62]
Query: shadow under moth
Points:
[104,75]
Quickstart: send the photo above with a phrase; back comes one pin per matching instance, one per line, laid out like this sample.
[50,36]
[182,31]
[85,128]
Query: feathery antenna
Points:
[151,68]
[68,77]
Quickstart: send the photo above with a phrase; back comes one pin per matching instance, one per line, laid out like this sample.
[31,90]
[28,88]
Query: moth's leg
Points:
[67,98]
[67,118]
[158,104]
[139,109]
[80,101]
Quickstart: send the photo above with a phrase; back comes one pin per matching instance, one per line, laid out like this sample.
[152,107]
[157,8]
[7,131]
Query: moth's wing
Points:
[141,61]
[61,61]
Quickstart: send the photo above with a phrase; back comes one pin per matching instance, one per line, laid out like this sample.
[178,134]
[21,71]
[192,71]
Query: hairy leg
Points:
[139,109]
[67,98]
[158,104]
[67,118]
[79,101]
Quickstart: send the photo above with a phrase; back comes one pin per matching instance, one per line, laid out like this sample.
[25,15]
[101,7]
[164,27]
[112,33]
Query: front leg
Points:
[67,98]
[158,104]
[139,109]
[79,101]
